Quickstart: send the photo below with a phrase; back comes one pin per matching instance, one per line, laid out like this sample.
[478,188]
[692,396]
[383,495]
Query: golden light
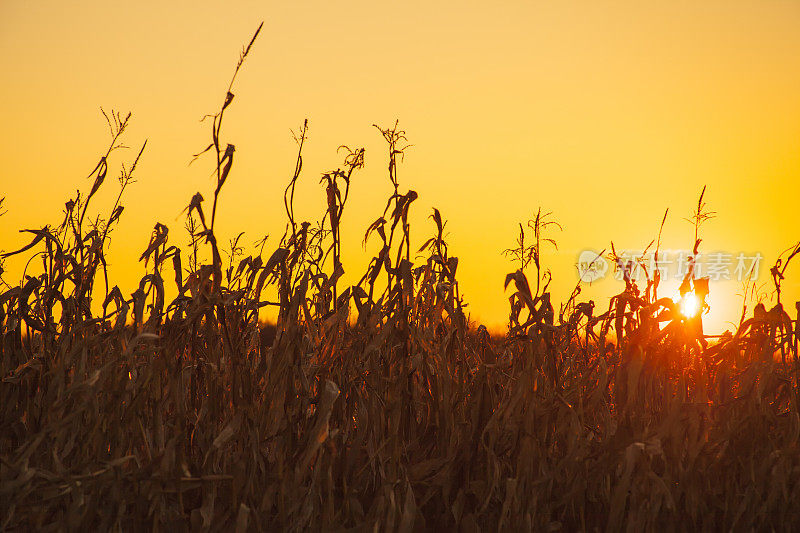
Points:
[690,305]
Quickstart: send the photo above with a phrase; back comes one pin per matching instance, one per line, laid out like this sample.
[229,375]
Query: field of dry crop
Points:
[375,406]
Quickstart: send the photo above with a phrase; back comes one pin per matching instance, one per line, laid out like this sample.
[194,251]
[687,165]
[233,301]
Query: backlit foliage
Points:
[376,405]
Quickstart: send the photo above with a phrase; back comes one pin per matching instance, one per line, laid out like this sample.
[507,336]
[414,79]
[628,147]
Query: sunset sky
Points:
[604,113]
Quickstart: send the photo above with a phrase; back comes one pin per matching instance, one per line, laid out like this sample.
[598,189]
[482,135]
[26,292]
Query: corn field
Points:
[376,406]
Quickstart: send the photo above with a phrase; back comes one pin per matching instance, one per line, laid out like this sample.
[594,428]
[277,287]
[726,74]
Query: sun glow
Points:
[690,305]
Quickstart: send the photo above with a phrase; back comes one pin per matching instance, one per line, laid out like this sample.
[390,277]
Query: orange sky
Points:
[605,113]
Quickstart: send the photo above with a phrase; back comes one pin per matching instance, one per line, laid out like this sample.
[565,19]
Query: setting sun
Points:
[690,305]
